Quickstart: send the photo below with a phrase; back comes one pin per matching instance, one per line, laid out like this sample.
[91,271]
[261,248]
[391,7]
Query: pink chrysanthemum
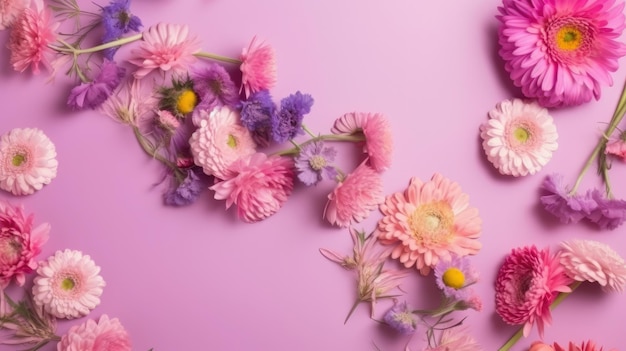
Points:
[104,335]
[68,284]
[219,141]
[527,283]
[593,261]
[429,222]
[560,51]
[27,161]
[31,33]
[456,339]
[20,243]
[258,67]
[355,197]
[519,138]
[259,185]
[9,10]
[374,127]
[165,47]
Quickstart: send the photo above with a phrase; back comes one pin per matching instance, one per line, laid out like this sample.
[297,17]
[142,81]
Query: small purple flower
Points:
[256,115]
[400,317]
[456,271]
[94,93]
[287,123]
[188,191]
[214,87]
[117,21]
[557,200]
[609,214]
[313,163]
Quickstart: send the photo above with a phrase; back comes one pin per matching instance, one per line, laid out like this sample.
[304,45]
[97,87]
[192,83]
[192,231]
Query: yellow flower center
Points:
[569,38]
[317,162]
[453,278]
[68,284]
[521,134]
[186,102]
[232,142]
[432,222]
[18,160]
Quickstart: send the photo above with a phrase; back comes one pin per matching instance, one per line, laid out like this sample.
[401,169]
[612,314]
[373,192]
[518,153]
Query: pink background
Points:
[196,278]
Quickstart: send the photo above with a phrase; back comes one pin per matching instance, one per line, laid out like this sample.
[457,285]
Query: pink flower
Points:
[9,10]
[129,104]
[258,67]
[104,335]
[20,243]
[374,127]
[429,222]
[616,148]
[593,261]
[31,33]
[584,346]
[165,47]
[527,283]
[539,346]
[355,197]
[456,339]
[560,51]
[259,185]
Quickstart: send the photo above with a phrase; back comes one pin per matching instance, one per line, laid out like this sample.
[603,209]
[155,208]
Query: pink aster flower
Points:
[374,128]
[165,47]
[68,284]
[593,261]
[258,67]
[561,52]
[104,335]
[9,10]
[355,197]
[20,243]
[27,161]
[219,141]
[259,185]
[429,222]
[457,339]
[527,283]
[519,137]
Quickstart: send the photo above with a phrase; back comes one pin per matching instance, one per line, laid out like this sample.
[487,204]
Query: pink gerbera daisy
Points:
[593,261]
[561,51]
[104,335]
[165,47]
[68,284]
[258,67]
[519,138]
[27,161]
[429,222]
[374,127]
[9,10]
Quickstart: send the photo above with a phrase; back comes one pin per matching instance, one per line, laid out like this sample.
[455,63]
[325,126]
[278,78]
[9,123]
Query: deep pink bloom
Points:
[584,346]
[9,10]
[258,67]
[616,148]
[104,335]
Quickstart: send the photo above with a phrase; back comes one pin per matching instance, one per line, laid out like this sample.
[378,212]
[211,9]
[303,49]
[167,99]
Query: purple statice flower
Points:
[188,191]
[569,208]
[454,276]
[214,87]
[609,214]
[256,115]
[117,21]
[401,318]
[287,123]
[314,163]
[94,93]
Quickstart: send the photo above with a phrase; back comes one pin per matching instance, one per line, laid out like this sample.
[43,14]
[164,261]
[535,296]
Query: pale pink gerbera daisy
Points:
[258,67]
[31,33]
[561,51]
[519,138]
[593,261]
[429,222]
[68,284]
[352,200]
[104,335]
[165,47]
[219,141]
[527,283]
[457,339]
[27,161]
[9,10]
[259,186]
[374,128]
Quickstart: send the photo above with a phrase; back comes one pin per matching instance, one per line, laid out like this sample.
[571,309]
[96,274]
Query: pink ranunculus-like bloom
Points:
[374,127]
[165,47]
[104,335]
[456,339]
[519,137]
[527,283]
[259,185]
[560,51]
[352,200]
[539,346]
[27,161]
[428,222]
[68,284]
[584,346]
[593,261]
[258,67]
[9,10]
[20,243]
[219,141]
[616,148]
[31,33]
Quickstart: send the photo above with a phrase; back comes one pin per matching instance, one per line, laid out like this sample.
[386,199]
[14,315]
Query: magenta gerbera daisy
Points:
[560,51]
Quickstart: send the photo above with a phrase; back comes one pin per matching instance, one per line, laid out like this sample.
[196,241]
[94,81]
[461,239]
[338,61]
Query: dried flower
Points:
[314,163]
[117,21]
[96,92]
[287,123]
[558,200]
[258,67]
[456,339]
[214,87]
[129,105]
[26,323]
[593,261]
[400,317]
[105,335]
[9,11]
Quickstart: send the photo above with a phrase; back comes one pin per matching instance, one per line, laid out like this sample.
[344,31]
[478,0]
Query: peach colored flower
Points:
[539,346]
[258,67]
[9,10]
[593,261]
[104,335]
[616,148]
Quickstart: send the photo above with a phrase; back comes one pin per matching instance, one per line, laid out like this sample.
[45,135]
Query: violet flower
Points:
[96,92]
[214,87]
[569,208]
[313,163]
[256,115]
[400,317]
[287,123]
[188,191]
[609,213]
[117,21]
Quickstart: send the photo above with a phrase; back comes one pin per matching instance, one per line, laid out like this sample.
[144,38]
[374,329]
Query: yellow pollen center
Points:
[569,38]
[186,102]
[317,162]
[68,284]
[453,278]
[432,222]
[232,142]
[18,160]
[521,134]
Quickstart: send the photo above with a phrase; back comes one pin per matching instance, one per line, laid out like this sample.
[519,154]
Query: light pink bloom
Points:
[31,33]
[130,104]
[428,222]
[9,10]
[258,67]
[374,127]
[616,148]
[68,284]
[20,243]
[219,141]
[259,185]
[593,261]
[27,161]
[456,339]
[355,197]
[165,47]
[104,335]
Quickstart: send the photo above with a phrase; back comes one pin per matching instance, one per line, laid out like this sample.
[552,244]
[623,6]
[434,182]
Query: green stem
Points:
[325,137]
[149,150]
[118,42]
[217,57]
